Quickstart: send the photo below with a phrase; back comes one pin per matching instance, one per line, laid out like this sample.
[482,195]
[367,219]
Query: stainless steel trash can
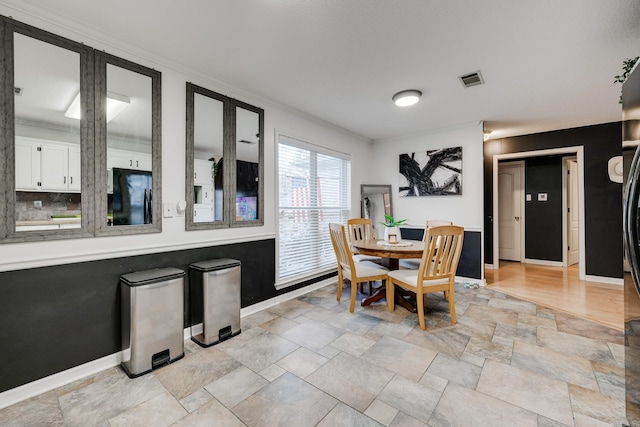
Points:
[152,318]
[214,287]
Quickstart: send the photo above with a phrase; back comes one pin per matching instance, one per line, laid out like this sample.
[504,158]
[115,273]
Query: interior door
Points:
[573,255]
[510,201]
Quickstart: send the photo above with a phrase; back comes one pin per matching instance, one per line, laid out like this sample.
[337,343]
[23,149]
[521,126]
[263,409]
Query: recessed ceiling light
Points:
[407,97]
[115,104]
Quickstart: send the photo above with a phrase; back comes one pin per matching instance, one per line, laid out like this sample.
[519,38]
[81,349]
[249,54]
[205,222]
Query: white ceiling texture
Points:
[546,64]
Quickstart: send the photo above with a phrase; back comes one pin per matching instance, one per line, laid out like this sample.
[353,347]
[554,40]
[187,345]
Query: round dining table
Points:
[391,254]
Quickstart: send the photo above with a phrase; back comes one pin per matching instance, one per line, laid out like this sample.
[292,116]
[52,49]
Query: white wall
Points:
[465,210]
[26,255]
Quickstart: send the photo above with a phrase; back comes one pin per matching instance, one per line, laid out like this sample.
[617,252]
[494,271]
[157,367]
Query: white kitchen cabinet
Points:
[202,213]
[27,165]
[128,160]
[202,172]
[54,167]
[43,165]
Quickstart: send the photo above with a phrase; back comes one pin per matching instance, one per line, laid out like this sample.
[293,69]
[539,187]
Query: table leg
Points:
[399,293]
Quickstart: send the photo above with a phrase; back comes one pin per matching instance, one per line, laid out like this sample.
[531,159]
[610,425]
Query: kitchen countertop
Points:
[53,221]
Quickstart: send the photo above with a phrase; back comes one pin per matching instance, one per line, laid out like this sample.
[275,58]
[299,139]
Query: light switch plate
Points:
[542,197]
[528,197]
[168,209]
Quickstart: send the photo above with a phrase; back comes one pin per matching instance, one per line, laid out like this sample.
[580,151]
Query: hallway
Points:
[561,289]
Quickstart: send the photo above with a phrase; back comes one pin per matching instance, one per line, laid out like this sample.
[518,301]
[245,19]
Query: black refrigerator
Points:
[132,197]
[631,213]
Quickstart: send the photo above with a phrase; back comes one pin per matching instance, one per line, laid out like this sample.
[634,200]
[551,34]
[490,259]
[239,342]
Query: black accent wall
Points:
[55,318]
[543,219]
[603,198]
[470,264]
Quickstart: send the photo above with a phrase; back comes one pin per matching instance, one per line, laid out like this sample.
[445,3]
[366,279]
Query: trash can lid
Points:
[215,264]
[147,277]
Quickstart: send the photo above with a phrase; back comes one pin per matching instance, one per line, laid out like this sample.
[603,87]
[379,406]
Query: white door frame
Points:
[578,151]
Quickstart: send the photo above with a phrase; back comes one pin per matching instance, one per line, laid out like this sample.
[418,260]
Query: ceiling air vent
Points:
[471,79]
[18,90]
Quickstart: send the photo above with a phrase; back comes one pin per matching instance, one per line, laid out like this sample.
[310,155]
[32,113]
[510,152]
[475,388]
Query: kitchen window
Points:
[314,186]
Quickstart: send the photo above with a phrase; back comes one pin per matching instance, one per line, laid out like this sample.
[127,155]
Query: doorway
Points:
[577,152]
[570,166]
[511,208]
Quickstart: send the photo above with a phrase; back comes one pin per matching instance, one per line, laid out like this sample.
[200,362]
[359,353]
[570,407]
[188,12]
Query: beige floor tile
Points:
[406,359]
[302,362]
[257,348]
[287,401]
[313,334]
[412,398]
[592,349]
[353,344]
[38,411]
[458,371]
[381,412]
[596,405]
[461,406]
[534,392]
[353,380]
[194,372]
[236,386]
[553,364]
[344,416]
[162,410]
[212,414]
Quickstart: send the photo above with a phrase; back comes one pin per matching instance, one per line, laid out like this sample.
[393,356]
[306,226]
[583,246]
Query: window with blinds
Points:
[314,190]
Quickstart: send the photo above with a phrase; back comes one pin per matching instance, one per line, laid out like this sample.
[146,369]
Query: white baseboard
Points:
[489,266]
[59,379]
[544,262]
[603,279]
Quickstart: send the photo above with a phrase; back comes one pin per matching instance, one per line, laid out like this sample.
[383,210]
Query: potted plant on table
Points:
[391,230]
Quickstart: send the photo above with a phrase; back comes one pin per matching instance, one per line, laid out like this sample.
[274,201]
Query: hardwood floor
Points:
[561,289]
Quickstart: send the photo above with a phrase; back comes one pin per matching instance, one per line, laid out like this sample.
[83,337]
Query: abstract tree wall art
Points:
[431,173]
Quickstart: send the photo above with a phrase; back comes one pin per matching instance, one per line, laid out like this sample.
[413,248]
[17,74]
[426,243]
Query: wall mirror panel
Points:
[46,140]
[376,202]
[128,143]
[248,148]
[79,138]
[224,161]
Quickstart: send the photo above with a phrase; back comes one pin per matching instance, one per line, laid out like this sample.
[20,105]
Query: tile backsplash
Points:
[53,204]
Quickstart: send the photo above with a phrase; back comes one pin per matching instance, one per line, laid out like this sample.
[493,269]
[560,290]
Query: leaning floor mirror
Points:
[375,202]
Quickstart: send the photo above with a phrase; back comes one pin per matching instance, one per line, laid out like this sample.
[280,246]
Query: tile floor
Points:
[309,362]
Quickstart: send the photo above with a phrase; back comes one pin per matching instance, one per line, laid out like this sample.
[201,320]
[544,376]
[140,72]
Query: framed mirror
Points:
[128,147]
[375,202]
[225,166]
[249,153]
[48,189]
[207,168]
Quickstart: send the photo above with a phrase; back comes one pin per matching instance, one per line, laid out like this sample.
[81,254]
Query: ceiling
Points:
[547,65]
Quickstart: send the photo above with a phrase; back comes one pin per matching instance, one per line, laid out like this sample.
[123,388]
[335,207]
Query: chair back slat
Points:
[340,245]
[442,249]
[360,229]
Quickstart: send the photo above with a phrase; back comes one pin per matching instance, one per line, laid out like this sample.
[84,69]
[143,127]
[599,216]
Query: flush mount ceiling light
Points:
[407,97]
[116,103]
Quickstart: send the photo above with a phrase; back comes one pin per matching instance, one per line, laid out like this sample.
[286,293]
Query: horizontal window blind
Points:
[314,190]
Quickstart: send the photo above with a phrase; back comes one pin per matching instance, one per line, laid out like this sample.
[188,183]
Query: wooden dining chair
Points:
[437,272]
[414,264]
[356,272]
[362,229]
